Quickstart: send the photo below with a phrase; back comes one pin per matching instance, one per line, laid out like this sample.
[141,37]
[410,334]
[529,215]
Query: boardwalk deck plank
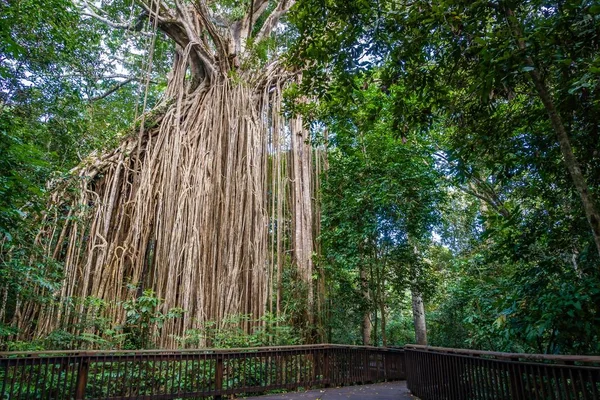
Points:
[378,391]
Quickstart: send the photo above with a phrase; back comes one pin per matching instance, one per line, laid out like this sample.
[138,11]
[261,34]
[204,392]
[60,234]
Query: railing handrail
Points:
[508,356]
[50,353]
[468,352]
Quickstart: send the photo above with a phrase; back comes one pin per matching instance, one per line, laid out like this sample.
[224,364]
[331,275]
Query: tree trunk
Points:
[366,324]
[383,325]
[382,303]
[419,317]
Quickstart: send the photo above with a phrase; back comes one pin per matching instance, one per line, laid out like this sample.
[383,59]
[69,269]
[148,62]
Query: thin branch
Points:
[259,8]
[156,13]
[250,24]
[112,90]
[88,11]
[498,207]
[117,76]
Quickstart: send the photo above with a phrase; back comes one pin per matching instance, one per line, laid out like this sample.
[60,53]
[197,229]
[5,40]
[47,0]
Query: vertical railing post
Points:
[326,372]
[82,377]
[219,377]
[313,358]
[402,370]
[386,366]
[366,367]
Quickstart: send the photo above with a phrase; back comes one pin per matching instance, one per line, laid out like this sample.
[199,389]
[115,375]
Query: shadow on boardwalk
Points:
[378,391]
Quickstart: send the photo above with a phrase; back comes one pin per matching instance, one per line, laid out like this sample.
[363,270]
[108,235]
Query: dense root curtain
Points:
[203,205]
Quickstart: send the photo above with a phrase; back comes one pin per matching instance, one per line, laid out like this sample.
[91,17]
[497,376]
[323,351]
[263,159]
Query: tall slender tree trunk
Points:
[591,211]
[419,317]
[366,323]
[383,325]
[382,303]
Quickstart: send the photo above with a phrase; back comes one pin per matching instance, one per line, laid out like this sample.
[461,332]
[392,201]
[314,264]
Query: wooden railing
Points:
[431,373]
[435,373]
[160,374]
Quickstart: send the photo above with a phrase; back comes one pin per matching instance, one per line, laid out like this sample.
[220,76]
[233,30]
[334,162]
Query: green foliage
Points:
[55,67]
[521,270]
[269,330]
[142,317]
[137,332]
[380,196]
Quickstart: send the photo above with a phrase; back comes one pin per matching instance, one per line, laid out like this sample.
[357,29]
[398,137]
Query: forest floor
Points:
[378,391]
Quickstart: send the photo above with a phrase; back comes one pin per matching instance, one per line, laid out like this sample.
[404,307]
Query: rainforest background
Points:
[452,166]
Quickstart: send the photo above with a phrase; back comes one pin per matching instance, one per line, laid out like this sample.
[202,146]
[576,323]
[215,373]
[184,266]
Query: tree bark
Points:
[591,211]
[419,317]
[383,321]
[366,324]
[382,300]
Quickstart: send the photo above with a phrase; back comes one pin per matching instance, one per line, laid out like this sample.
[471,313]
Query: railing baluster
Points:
[65,385]
[82,377]
[452,392]
[101,365]
[441,384]
[556,384]
[584,391]
[550,382]
[477,378]
[44,384]
[219,375]
[593,385]
[499,375]
[572,384]
[474,388]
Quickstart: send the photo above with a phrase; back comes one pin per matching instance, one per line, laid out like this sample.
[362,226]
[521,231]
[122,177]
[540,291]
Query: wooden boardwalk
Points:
[378,391]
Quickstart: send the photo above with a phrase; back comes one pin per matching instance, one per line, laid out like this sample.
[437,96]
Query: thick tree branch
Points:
[273,19]
[259,7]
[183,31]
[220,40]
[251,15]
[242,30]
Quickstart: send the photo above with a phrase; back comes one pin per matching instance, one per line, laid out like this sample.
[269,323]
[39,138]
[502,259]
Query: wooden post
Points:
[312,358]
[219,377]
[82,377]
[326,376]
[386,366]
[366,368]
